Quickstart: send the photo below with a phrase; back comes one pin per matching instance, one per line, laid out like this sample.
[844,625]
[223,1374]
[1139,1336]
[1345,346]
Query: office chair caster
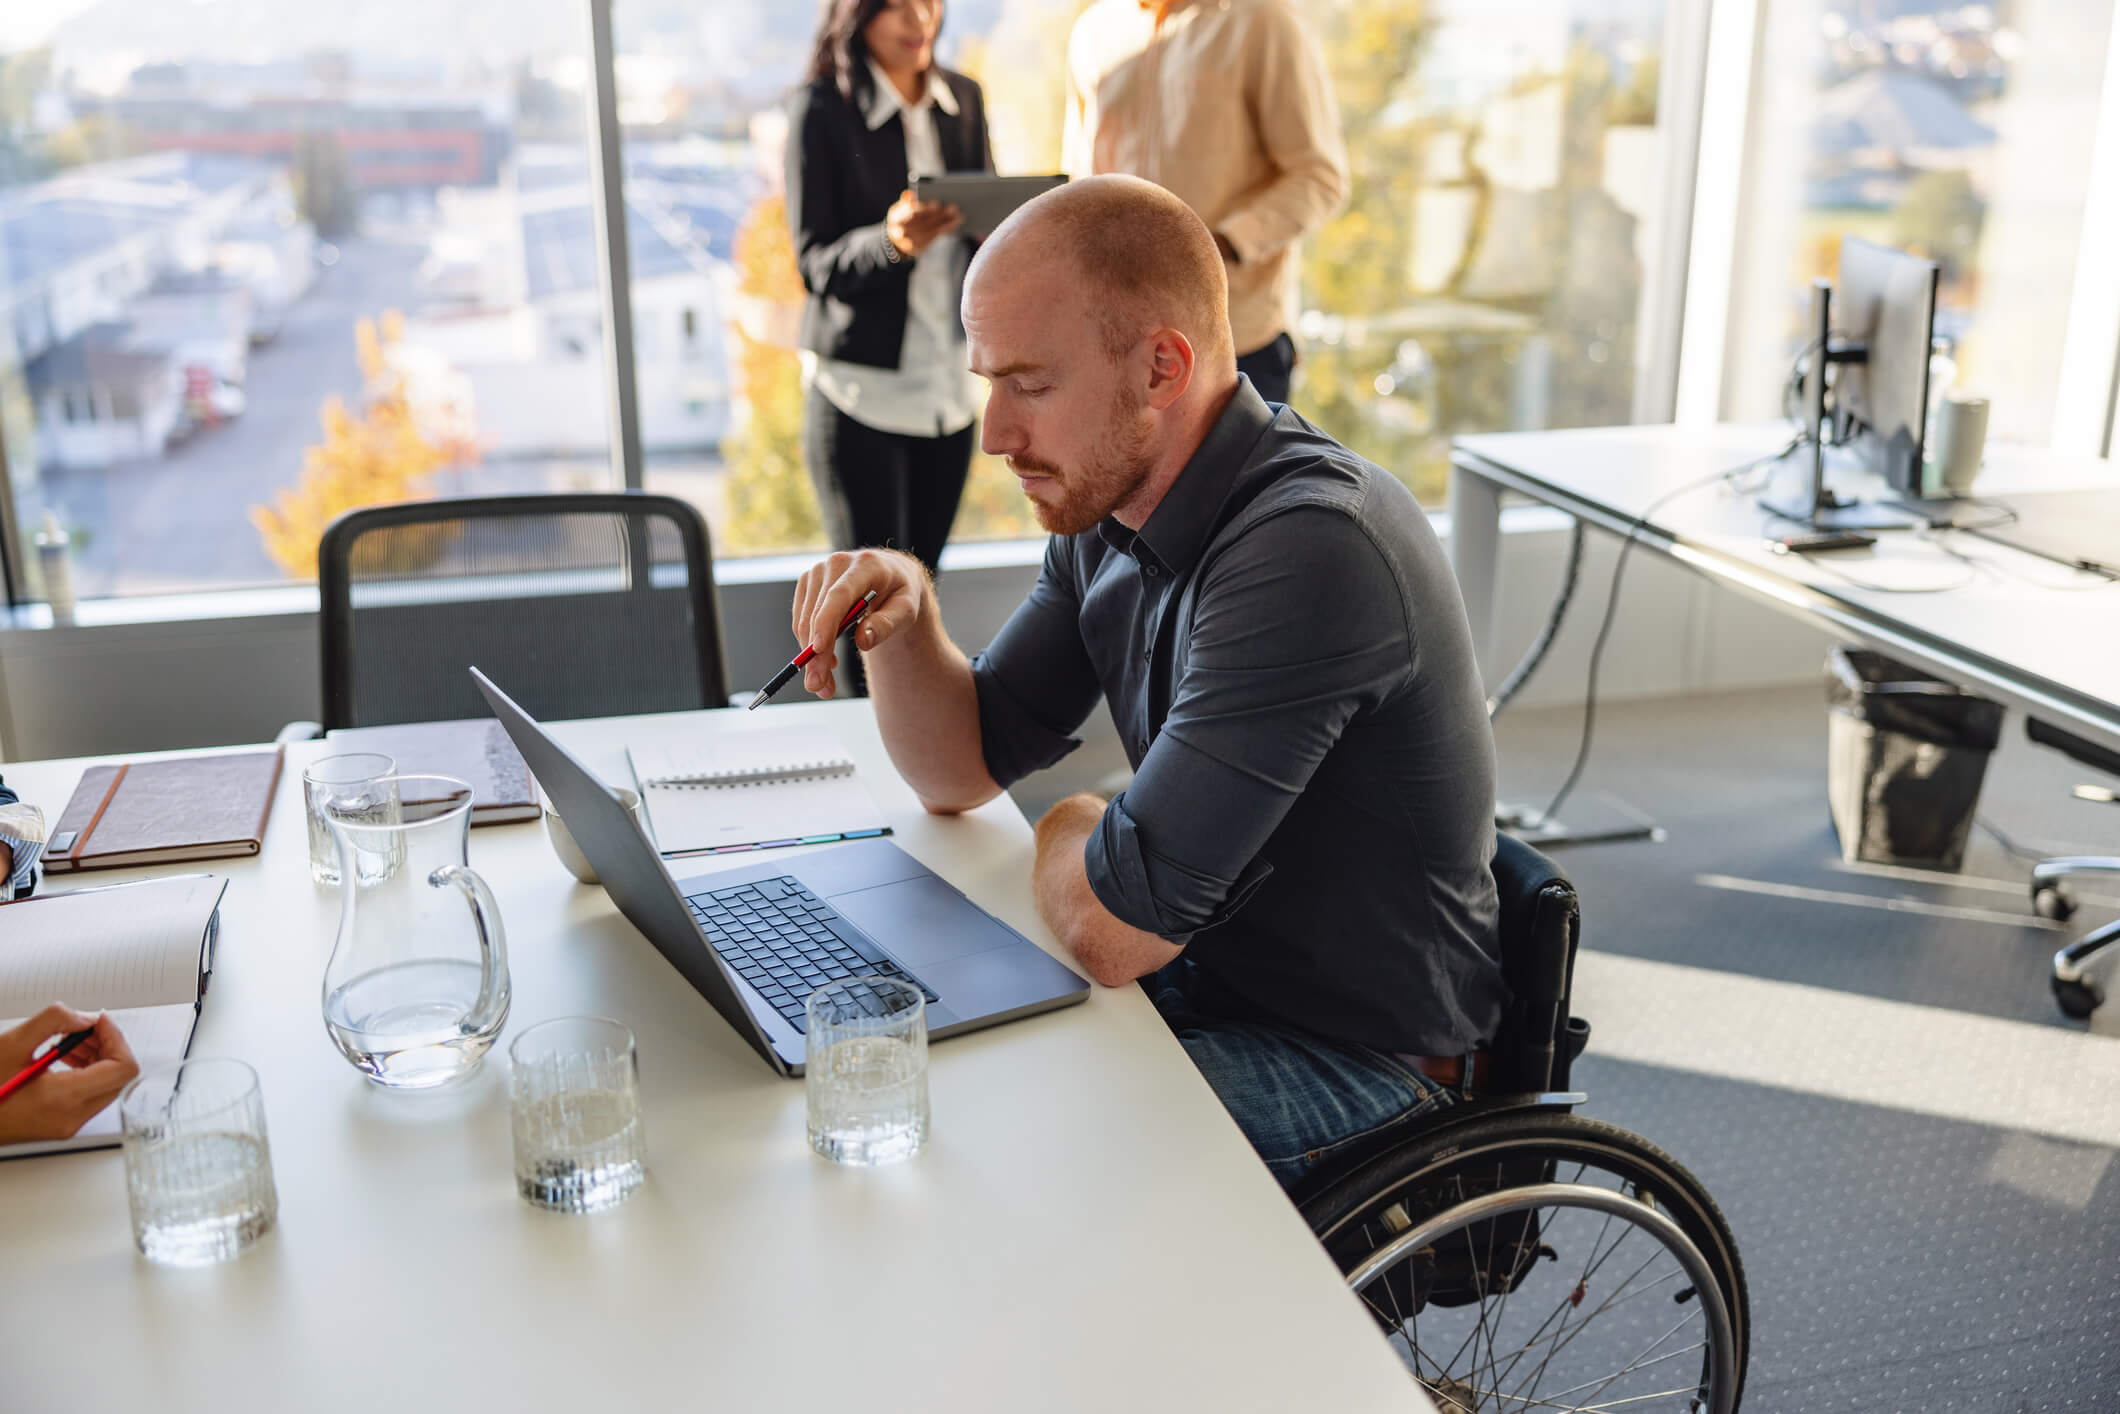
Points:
[2053,901]
[2077,997]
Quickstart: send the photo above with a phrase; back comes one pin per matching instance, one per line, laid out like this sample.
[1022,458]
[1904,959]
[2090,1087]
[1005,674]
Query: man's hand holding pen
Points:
[832,586]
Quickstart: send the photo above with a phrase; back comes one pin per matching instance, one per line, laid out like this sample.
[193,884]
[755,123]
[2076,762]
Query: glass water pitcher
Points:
[417,989]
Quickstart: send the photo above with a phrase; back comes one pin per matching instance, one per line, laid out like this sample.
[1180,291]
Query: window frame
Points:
[1709,107]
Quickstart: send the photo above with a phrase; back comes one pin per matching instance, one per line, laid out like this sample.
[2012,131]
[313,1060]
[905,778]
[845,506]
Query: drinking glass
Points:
[866,1073]
[358,784]
[574,1107]
[198,1169]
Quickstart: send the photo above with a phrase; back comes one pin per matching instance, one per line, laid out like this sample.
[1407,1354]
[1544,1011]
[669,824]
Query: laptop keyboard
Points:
[787,942]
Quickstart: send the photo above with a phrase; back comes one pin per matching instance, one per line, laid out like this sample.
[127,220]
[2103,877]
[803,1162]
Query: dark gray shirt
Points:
[1285,654]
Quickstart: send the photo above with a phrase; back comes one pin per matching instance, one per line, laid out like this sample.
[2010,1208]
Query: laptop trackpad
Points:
[922,921]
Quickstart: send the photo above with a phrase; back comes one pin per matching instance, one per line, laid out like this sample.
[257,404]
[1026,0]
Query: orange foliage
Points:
[382,455]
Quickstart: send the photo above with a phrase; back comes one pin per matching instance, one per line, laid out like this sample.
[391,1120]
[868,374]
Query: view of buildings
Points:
[192,231]
[1960,131]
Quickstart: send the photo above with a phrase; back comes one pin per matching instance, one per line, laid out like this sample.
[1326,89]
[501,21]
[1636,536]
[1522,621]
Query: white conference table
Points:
[1086,1230]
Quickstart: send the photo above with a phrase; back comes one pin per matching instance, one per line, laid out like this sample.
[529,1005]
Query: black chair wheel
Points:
[2077,999]
[2053,901]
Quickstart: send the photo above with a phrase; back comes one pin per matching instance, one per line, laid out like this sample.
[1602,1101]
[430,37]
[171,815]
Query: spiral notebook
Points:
[752,790]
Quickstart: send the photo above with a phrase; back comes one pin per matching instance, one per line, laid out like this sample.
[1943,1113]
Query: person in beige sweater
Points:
[1227,105]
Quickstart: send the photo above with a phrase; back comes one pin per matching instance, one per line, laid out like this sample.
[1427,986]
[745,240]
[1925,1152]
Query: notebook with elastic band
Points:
[164,811]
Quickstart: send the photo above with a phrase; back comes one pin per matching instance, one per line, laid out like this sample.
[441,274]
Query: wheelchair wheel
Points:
[1542,1261]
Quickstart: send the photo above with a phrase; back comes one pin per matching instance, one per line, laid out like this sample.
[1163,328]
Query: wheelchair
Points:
[1520,1256]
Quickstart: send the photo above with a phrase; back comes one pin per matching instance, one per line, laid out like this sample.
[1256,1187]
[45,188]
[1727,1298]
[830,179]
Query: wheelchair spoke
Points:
[1487,1369]
[1632,1399]
[1493,1361]
[1568,1304]
[1601,1307]
[1602,1385]
[1616,1230]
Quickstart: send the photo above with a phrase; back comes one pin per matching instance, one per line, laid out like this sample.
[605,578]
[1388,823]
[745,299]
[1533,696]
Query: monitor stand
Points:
[1811,502]
[1829,512]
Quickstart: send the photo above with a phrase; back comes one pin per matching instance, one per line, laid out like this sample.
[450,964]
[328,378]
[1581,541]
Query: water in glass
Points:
[198,1167]
[574,1111]
[200,1198]
[404,1024]
[353,784]
[866,1071]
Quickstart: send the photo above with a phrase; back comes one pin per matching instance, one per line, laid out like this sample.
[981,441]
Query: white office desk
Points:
[1087,1229]
[2031,632]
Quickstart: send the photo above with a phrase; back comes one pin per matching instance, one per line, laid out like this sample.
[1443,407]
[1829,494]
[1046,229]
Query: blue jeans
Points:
[1299,1099]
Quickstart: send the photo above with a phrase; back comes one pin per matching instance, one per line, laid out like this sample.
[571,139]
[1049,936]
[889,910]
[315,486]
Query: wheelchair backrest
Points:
[1540,920]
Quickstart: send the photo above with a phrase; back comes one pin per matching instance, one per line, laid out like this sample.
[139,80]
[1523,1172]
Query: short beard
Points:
[1114,474]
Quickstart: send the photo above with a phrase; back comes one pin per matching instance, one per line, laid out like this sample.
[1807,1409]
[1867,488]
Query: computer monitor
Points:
[1885,306]
[1876,326]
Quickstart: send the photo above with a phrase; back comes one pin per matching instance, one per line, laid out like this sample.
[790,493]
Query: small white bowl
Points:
[562,838]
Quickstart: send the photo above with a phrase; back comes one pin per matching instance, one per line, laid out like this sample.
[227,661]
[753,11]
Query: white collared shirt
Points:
[932,392]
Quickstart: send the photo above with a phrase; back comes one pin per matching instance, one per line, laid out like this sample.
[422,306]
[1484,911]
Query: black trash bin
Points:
[1905,755]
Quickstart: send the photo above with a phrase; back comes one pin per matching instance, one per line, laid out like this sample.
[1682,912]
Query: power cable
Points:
[1604,628]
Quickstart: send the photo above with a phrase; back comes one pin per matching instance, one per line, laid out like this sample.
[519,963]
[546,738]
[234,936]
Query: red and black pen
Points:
[780,679]
[44,1062]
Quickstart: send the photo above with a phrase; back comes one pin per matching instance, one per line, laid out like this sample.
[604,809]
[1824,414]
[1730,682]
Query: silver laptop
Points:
[757,940]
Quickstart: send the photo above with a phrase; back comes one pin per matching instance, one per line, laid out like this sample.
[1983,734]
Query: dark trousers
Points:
[883,488]
[1270,368]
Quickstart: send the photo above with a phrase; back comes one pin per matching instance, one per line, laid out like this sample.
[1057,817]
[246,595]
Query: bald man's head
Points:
[1142,258]
[1099,316]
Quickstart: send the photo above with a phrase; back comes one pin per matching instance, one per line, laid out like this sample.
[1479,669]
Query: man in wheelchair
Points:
[1299,870]
[1304,872]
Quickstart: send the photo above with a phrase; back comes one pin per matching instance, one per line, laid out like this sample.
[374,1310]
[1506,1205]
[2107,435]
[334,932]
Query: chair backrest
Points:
[1540,920]
[580,604]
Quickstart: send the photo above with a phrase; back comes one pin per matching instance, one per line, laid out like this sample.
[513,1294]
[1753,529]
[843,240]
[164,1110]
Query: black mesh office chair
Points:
[2078,995]
[1520,1256]
[582,604]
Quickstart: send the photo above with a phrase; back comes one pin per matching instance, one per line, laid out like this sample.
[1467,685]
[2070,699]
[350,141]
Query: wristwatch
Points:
[891,253]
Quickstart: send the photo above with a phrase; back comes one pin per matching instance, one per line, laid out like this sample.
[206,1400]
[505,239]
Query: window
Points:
[1960,131]
[721,417]
[300,280]
[1489,269]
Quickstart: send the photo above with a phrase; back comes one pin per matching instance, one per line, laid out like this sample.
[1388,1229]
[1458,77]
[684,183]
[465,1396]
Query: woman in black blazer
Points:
[890,405]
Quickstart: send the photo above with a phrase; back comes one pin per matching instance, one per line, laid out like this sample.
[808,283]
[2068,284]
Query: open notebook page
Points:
[133,950]
[135,945]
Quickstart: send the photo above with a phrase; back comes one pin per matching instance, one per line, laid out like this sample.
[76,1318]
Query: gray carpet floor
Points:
[1902,1256]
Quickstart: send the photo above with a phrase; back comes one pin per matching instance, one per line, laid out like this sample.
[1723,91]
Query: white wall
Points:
[112,688]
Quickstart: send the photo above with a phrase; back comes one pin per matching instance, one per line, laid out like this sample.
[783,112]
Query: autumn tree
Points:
[1535,318]
[380,455]
[770,505]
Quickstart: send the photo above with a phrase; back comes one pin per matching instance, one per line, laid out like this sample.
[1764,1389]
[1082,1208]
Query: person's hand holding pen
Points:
[72,1090]
[828,589]
[912,225]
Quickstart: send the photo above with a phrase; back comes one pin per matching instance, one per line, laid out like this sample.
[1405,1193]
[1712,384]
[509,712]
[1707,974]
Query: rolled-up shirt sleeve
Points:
[22,830]
[1035,681]
[1298,626]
